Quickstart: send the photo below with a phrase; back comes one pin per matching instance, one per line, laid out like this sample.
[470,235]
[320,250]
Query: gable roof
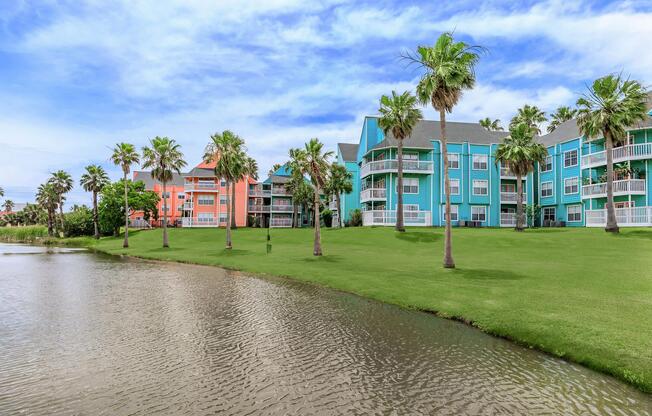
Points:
[349,151]
[565,131]
[146,177]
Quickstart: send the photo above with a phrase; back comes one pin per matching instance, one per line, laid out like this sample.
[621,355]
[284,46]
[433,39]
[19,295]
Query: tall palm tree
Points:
[314,162]
[522,153]
[226,149]
[8,205]
[94,180]
[491,125]
[399,114]
[164,157]
[62,184]
[531,115]
[449,70]
[562,114]
[125,155]
[339,182]
[47,197]
[610,105]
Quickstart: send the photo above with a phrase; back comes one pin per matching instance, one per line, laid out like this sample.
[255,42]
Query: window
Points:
[507,187]
[165,209]
[480,162]
[222,182]
[410,186]
[546,166]
[455,186]
[205,217]
[574,213]
[480,187]
[625,204]
[165,194]
[454,160]
[455,209]
[570,158]
[571,185]
[223,216]
[546,189]
[181,196]
[410,211]
[206,183]
[479,214]
[410,156]
[205,200]
[222,199]
[549,213]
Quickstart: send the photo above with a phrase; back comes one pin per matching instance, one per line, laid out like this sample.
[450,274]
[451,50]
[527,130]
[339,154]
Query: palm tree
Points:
[48,198]
[531,115]
[610,106]
[274,168]
[164,158]
[314,162]
[2,192]
[449,70]
[399,115]
[248,168]
[339,182]
[94,180]
[62,183]
[561,115]
[8,205]
[491,125]
[226,149]
[521,152]
[296,182]
[125,155]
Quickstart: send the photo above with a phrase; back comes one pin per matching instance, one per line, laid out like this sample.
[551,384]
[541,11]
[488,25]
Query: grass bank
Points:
[38,234]
[580,294]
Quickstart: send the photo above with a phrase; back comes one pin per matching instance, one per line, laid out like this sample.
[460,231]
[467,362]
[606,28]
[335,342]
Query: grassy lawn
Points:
[581,294]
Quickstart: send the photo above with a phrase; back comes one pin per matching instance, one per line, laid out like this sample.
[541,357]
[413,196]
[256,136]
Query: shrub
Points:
[355,218]
[78,222]
[327,217]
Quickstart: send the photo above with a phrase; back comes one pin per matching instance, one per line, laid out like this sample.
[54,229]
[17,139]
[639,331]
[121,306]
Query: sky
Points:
[77,76]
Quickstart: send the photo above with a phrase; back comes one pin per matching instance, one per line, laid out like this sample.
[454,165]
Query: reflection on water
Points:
[90,334]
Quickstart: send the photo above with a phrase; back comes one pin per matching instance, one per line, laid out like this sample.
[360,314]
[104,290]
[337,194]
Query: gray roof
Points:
[349,151]
[280,179]
[141,175]
[427,130]
[567,130]
[200,173]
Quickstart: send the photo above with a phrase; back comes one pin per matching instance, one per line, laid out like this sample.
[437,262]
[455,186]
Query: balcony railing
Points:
[623,187]
[511,198]
[373,194]
[281,222]
[259,208]
[282,208]
[619,154]
[625,217]
[201,222]
[201,187]
[280,191]
[508,219]
[388,217]
[139,224]
[391,165]
[259,192]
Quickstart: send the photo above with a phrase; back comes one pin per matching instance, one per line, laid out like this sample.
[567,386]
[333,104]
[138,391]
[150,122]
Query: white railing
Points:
[201,187]
[620,154]
[200,222]
[508,219]
[260,192]
[282,208]
[625,217]
[259,208]
[188,206]
[139,224]
[373,194]
[281,222]
[623,187]
[387,217]
[511,197]
[391,165]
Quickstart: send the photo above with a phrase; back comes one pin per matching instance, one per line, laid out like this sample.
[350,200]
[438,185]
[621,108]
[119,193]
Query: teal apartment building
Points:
[569,186]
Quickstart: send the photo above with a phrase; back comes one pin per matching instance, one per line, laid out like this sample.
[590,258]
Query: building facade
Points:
[569,186]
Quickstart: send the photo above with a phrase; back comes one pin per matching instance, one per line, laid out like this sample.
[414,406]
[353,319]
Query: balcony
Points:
[280,191]
[508,219]
[373,194]
[258,208]
[200,222]
[387,217]
[619,154]
[282,208]
[625,217]
[391,165]
[281,222]
[201,187]
[506,172]
[511,198]
[188,206]
[259,192]
[623,187]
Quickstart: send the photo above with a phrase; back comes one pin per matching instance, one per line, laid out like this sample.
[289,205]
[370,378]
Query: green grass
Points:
[29,234]
[580,294]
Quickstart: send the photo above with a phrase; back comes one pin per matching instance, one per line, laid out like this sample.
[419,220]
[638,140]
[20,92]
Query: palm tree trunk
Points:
[449,263]
[519,203]
[317,245]
[295,214]
[95,219]
[339,210]
[50,226]
[612,224]
[165,217]
[233,224]
[228,217]
[61,213]
[399,201]
[125,244]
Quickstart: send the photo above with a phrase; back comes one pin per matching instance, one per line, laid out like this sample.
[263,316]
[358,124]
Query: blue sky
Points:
[78,76]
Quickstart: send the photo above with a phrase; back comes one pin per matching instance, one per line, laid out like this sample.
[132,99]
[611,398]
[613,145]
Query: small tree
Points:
[339,182]
[62,184]
[94,180]
[125,155]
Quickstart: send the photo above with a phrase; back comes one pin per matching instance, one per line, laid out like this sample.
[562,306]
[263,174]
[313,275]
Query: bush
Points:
[327,217]
[355,218]
[78,223]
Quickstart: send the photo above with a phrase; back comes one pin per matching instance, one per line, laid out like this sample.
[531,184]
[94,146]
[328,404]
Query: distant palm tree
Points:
[274,168]
[62,184]
[339,182]
[561,115]
[8,205]
[449,70]
[125,155]
[610,106]
[48,198]
[2,192]
[521,153]
[531,115]
[225,149]
[399,114]
[94,180]
[297,181]
[491,125]
[164,157]
[314,163]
